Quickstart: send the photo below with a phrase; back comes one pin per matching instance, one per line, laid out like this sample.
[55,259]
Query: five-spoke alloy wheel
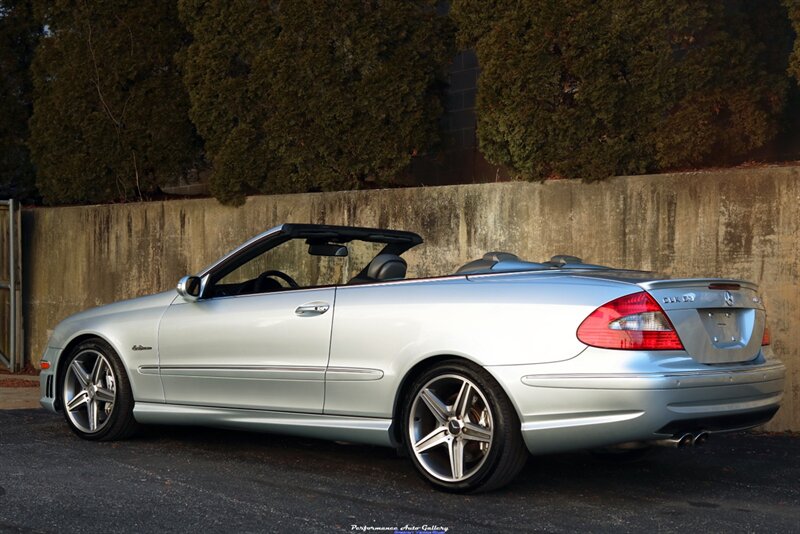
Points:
[89,391]
[95,392]
[460,429]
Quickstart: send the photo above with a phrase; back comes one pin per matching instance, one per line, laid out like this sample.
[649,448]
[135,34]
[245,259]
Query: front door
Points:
[260,351]
[258,337]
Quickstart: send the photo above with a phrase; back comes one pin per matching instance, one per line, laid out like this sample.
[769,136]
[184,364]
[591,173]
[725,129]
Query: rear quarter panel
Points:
[493,320]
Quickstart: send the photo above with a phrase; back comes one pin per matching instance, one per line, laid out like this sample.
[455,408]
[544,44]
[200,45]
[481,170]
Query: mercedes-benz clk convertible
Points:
[316,331]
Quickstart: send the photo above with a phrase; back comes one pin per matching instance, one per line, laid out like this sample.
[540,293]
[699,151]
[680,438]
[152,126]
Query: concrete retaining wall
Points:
[734,223]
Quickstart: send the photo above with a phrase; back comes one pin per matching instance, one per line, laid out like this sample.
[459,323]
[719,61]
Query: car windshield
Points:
[294,259]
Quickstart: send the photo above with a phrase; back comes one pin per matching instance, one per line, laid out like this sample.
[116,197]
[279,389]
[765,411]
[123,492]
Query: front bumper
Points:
[603,397]
[47,380]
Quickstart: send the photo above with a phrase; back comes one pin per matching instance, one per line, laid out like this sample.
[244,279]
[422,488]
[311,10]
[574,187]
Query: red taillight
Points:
[766,339]
[632,322]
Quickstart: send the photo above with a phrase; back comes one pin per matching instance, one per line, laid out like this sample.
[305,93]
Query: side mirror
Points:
[189,288]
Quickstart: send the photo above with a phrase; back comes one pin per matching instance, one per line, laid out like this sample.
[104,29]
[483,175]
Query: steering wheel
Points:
[277,274]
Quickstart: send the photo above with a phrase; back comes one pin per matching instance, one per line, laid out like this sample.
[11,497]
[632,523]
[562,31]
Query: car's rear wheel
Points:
[461,431]
[95,393]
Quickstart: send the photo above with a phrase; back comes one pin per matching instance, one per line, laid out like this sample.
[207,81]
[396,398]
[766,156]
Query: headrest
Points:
[387,267]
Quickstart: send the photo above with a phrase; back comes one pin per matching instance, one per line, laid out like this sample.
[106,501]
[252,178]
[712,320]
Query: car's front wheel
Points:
[96,395]
[461,431]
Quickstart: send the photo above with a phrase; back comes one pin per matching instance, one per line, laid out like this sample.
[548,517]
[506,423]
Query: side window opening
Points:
[290,265]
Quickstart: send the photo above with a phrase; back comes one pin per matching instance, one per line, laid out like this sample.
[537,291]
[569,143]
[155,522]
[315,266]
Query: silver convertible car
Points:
[315,330]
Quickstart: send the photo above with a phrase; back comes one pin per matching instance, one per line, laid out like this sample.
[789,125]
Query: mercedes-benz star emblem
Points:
[728,298]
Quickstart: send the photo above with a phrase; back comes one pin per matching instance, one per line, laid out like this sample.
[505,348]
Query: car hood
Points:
[80,321]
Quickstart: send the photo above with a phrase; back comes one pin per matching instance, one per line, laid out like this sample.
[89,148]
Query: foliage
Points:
[110,115]
[590,89]
[313,94]
[477,17]
[793,11]
[18,35]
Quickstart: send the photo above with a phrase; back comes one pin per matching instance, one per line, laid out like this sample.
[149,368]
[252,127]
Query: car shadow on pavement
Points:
[698,474]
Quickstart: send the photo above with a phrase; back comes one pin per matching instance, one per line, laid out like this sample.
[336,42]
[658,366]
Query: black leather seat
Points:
[387,267]
[383,267]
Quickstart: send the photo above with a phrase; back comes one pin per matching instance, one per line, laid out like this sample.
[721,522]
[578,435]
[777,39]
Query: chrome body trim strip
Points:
[663,380]
[551,421]
[254,372]
[352,374]
[267,372]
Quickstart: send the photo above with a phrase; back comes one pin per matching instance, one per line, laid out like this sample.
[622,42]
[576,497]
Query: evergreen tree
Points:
[587,89]
[793,9]
[18,35]
[110,118]
[313,94]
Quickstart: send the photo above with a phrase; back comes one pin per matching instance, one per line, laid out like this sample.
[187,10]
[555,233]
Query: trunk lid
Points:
[718,321]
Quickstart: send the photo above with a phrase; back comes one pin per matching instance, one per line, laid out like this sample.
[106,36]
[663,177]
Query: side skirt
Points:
[331,427]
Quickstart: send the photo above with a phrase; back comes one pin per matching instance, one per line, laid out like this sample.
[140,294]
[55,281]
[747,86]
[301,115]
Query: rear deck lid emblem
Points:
[728,298]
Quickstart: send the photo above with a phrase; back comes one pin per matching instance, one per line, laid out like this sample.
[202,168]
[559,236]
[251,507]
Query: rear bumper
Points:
[604,398]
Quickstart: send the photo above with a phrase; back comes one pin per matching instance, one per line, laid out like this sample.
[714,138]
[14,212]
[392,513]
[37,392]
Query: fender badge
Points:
[141,347]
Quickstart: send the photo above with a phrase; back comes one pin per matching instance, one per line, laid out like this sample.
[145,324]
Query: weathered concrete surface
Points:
[734,223]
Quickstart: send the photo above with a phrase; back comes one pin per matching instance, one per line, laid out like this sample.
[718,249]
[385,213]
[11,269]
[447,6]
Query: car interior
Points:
[385,266]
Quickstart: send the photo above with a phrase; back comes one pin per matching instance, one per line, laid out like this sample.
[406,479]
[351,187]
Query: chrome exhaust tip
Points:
[700,438]
[677,441]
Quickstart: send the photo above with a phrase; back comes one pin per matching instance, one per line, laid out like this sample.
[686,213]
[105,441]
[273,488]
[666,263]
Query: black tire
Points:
[483,466]
[114,419]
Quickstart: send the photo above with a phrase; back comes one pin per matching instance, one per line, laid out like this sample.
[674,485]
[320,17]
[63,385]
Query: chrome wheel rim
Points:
[450,428]
[90,390]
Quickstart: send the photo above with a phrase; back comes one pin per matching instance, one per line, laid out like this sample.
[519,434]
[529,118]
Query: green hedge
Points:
[110,116]
[18,35]
[589,89]
[793,10]
[313,94]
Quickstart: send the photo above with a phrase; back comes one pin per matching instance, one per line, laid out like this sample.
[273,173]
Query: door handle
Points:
[312,308]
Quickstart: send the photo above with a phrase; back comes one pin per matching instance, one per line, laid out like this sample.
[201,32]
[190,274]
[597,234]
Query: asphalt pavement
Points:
[172,479]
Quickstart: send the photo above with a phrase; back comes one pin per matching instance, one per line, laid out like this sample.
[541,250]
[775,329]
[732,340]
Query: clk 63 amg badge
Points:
[688,297]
